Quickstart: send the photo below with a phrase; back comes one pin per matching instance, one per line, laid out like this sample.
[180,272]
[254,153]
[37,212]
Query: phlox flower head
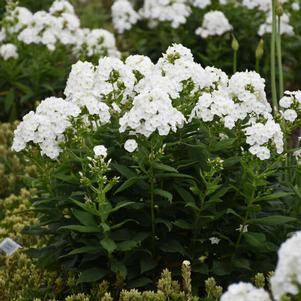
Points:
[245,292]
[287,276]
[215,23]
[8,51]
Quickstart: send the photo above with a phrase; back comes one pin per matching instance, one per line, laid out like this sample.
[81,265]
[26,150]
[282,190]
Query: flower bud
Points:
[279,9]
[235,44]
[259,50]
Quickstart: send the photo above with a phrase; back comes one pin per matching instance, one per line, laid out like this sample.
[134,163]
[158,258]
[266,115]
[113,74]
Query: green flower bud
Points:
[279,9]
[235,44]
[260,50]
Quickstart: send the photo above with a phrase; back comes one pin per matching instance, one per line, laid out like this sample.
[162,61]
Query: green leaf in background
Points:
[82,229]
[84,217]
[272,220]
[91,275]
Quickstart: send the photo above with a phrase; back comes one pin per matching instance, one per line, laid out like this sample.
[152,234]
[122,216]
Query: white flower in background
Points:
[214,240]
[245,292]
[242,228]
[215,23]
[96,42]
[100,151]
[263,5]
[285,102]
[59,25]
[295,6]
[123,15]
[224,2]
[8,51]
[200,3]
[130,145]
[285,27]
[290,105]
[297,156]
[290,115]
[287,276]
[46,126]
[173,11]
[2,34]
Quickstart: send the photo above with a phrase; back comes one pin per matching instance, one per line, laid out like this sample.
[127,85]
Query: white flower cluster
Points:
[285,27]
[130,145]
[263,5]
[100,151]
[57,25]
[152,110]
[261,135]
[174,11]
[287,276]
[245,292]
[201,3]
[124,16]
[214,23]
[95,42]
[8,51]
[146,98]
[46,126]
[286,280]
[290,105]
[242,99]
[81,91]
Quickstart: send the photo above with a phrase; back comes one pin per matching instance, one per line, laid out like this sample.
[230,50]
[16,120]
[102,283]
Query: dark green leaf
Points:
[108,244]
[91,275]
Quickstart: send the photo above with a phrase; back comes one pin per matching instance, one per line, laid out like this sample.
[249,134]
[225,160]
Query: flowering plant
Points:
[38,48]
[142,164]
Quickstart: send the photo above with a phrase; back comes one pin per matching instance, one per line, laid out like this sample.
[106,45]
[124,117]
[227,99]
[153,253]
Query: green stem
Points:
[152,205]
[273,59]
[152,201]
[234,61]
[257,65]
[279,57]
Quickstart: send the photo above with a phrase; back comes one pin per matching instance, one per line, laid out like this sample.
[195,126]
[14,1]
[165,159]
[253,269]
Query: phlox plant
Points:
[143,165]
[36,52]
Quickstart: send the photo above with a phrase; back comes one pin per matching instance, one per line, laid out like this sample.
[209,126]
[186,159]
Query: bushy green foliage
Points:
[166,203]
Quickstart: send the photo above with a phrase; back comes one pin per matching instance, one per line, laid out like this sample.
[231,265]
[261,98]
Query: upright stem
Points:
[152,199]
[273,59]
[234,61]
[257,65]
[152,205]
[279,57]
